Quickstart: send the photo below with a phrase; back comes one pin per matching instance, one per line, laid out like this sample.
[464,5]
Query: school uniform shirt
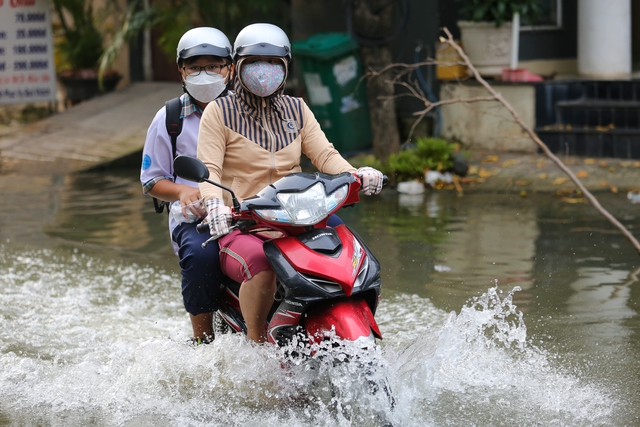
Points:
[157,154]
[248,142]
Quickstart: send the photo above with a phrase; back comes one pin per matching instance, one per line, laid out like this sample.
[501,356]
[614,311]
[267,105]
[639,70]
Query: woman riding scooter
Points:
[249,140]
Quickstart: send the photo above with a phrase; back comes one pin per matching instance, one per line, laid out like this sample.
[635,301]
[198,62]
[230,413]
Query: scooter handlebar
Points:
[385,179]
[202,228]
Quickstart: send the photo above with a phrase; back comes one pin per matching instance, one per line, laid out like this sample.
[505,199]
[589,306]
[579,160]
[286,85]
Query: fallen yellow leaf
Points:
[589,161]
[582,174]
[605,128]
[604,183]
[483,173]
[490,159]
[573,199]
[522,183]
[523,193]
[543,176]
[559,180]
[612,169]
[510,163]
[614,190]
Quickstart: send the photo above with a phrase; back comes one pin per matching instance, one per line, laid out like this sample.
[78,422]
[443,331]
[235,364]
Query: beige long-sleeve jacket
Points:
[248,142]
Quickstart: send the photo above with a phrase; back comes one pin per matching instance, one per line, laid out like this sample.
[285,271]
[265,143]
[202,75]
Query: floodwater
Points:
[497,310]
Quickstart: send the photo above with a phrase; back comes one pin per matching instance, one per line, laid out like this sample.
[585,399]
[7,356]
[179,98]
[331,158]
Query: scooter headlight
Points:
[305,208]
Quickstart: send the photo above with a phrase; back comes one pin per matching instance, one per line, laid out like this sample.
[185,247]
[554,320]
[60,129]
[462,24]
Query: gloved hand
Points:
[219,217]
[371,180]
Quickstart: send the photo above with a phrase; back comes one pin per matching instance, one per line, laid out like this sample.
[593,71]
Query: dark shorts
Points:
[201,272]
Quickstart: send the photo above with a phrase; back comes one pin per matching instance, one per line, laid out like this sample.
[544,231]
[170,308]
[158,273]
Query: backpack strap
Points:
[173,122]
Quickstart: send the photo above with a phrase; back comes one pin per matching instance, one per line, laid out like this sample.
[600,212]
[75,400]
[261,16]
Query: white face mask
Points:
[204,87]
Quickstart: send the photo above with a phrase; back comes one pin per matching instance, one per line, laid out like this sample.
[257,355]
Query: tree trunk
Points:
[376,18]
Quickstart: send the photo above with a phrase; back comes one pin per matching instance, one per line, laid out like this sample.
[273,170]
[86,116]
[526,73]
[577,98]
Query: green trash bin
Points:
[331,71]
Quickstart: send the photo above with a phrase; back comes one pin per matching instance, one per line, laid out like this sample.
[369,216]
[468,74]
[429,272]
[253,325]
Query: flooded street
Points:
[496,310]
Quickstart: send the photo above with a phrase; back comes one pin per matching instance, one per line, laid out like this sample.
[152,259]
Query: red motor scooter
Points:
[328,281]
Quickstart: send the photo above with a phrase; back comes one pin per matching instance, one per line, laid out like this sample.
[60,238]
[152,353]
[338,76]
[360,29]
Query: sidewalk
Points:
[100,130]
[530,173]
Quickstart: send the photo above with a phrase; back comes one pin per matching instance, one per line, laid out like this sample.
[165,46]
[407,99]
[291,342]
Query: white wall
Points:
[488,125]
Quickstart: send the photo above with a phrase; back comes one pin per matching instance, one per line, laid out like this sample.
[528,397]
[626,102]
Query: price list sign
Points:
[27,71]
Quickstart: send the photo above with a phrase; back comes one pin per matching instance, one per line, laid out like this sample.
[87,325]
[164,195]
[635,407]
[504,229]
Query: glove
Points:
[219,217]
[371,180]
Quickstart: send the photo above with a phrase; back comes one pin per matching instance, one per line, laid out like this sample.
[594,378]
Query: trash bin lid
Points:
[325,46]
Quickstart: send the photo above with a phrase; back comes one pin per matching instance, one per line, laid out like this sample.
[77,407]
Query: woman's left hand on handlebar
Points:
[371,179]
[219,217]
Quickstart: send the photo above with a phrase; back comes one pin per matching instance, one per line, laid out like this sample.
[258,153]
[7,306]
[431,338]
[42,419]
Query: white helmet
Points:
[263,40]
[203,41]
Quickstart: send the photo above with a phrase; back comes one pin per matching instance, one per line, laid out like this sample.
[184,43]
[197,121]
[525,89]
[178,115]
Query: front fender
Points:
[350,319]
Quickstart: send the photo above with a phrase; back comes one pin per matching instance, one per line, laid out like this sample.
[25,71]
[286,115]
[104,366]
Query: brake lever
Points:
[214,238]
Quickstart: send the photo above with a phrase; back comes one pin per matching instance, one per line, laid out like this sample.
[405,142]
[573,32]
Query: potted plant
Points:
[79,47]
[485,30]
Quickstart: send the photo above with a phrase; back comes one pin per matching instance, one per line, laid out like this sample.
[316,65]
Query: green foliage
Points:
[428,154]
[79,41]
[134,20]
[368,160]
[176,17]
[500,11]
[88,38]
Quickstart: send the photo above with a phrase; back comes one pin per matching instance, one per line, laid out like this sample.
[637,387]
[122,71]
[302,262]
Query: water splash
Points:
[479,369]
[88,341]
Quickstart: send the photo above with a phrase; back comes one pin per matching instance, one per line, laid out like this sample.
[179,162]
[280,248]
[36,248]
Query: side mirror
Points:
[190,168]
